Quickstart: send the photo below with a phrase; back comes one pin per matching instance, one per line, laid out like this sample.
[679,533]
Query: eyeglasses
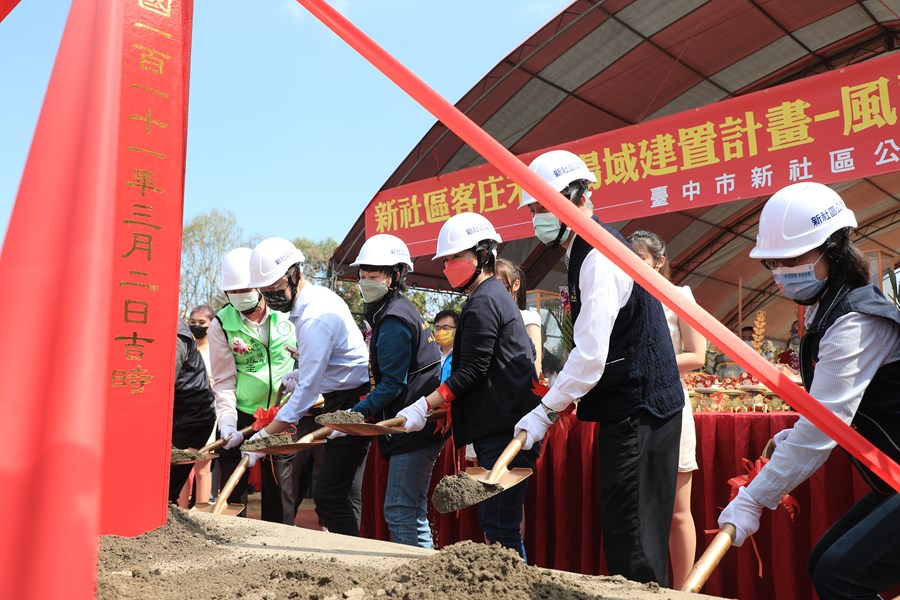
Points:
[444,327]
[278,286]
[775,263]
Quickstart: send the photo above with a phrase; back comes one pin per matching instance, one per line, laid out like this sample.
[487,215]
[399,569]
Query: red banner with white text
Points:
[146,263]
[831,127]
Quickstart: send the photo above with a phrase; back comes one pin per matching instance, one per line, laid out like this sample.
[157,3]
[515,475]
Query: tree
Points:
[204,241]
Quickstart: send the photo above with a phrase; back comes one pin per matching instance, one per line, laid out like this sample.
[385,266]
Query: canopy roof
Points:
[599,66]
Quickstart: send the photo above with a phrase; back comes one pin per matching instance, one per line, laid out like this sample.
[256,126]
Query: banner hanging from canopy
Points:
[827,128]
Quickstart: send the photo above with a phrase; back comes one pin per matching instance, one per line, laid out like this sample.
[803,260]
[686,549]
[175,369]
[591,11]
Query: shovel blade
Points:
[508,479]
[232,510]
[365,429]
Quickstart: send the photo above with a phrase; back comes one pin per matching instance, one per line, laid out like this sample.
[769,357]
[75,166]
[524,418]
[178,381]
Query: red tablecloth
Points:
[563,515]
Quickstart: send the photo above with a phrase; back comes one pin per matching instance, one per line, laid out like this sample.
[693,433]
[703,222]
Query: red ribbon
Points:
[263,417]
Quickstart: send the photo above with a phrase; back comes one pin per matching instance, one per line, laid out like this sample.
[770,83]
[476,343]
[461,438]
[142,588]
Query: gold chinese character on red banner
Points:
[658,155]
[697,146]
[788,125]
[620,166]
[385,216]
[867,105]
[436,207]
[734,133]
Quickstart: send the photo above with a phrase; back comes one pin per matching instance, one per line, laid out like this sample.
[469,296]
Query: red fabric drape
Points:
[563,516]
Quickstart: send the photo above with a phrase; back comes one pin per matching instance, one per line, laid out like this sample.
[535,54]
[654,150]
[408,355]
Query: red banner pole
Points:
[6,7]
[56,266]
[629,262]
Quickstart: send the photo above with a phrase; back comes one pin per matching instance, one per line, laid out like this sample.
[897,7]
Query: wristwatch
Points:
[552,415]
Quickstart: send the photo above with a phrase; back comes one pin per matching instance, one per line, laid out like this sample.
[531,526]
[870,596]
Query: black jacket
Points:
[193,403]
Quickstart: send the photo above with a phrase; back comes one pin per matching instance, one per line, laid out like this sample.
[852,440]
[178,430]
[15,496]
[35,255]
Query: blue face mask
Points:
[799,283]
[546,227]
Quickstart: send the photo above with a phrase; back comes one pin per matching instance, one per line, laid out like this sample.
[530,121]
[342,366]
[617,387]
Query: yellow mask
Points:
[444,337]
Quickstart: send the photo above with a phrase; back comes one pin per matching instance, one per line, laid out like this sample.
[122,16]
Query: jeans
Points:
[406,499]
[501,514]
[860,555]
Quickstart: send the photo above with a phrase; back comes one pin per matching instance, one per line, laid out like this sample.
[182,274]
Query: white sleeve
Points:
[850,353]
[224,374]
[604,290]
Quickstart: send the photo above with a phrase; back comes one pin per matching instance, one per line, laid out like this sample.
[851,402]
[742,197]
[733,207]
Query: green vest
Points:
[259,368]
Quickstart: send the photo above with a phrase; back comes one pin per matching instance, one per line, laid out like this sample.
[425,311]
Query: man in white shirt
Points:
[623,370]
[333,361]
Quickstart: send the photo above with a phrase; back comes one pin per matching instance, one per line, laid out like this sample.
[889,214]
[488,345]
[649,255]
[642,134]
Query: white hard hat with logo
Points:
[799,218]
[559,168]
[271,258]
[235,273]
[463,232]
[383,250]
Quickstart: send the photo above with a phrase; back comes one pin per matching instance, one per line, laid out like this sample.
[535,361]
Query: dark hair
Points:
[205,309]
[652,244]
[485,253]
[846,263]
[508,273]
[445,314]
[398,269]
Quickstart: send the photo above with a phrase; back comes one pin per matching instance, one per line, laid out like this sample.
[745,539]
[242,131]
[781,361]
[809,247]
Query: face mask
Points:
[244,302]
[799,283]
[546,228]
[372,291]
[459,272]
[199,331]
[278,301]
[444,337]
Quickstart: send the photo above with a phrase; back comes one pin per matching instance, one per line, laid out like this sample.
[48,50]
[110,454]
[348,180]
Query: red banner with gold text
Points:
[146,261]
[831,127]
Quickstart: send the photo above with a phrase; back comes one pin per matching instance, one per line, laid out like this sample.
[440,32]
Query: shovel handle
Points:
[221,442]
[509,453]
[313,436]
[222,501]
[400,421]
[708,562]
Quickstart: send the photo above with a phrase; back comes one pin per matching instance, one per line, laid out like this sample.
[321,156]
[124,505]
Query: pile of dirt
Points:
[340,417]
[179,455]
[455,492]
[204,557]
[279,439]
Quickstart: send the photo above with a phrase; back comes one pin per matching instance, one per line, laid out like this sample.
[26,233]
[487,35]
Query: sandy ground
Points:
[198,556]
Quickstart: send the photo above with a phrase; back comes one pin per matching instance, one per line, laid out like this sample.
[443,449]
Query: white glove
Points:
[415,414]
[232,435]
[743,512]
[781,436]
[254,458]
[535,424]
[290,381]
[259,435]
[336,434]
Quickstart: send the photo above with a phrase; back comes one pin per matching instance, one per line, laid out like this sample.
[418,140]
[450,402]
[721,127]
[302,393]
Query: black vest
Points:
[640,370]
[423,377]
[193,403]
[878,417]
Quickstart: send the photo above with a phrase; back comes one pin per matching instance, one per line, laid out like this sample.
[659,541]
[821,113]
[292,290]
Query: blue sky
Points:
[289,129]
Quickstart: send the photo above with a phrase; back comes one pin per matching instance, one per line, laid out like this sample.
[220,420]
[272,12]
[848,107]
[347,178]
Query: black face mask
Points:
[199,331]
[278,300]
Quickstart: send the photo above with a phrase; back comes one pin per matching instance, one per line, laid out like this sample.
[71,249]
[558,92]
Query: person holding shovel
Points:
[850,363]
[333,361]
[404,360]
[490,386]
[623,370]
[251,347]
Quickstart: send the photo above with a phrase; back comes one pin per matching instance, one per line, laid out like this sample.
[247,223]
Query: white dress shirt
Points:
[850,353]
[222,368]
[604,290]
[332,352]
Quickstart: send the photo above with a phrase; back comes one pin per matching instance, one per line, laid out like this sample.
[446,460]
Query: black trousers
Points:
[194,436]
[638,469]
[278,480]
[338,492]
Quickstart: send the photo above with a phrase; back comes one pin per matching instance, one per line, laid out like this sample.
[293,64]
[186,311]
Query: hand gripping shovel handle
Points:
[400,421]
[222,501]
[509,453]
[709,560]
[248,430]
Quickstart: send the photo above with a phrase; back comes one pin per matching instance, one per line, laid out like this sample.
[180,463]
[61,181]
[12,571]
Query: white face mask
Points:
[244,301]
[546,227]
[372,291]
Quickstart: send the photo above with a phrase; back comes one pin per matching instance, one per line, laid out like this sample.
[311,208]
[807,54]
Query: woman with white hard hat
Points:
[404,361]
[333,361]
[490,386]
[850,363]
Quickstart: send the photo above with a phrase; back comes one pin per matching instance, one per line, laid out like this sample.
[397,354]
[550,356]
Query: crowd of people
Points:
[484,365]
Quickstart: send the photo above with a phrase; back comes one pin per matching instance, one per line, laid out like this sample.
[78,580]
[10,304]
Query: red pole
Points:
[656,284]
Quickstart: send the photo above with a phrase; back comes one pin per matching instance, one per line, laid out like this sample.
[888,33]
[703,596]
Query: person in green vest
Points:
[251,347]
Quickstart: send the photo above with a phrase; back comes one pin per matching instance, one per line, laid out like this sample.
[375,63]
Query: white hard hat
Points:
[271,259]
[383,250]
[463,232]
[236,270]
[799,218]
[559,168]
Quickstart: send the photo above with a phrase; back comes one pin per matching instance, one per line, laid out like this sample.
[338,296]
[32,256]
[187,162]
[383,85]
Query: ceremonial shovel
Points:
[717,549]
[477,484]
[387,427]
[221,506]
